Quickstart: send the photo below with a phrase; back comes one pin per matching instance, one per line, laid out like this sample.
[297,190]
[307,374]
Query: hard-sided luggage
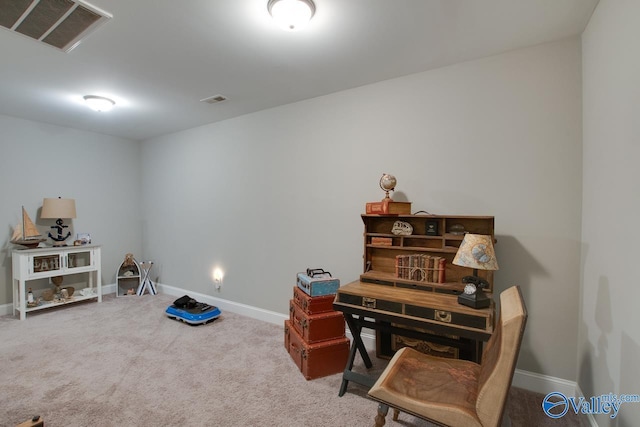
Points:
[317,282]
[316,327]
[319,359]
[313,305]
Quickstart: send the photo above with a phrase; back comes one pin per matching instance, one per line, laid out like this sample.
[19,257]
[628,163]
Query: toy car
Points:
[192,312]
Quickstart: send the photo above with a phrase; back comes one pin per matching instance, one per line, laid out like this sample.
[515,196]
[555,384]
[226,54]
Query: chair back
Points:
[499,358]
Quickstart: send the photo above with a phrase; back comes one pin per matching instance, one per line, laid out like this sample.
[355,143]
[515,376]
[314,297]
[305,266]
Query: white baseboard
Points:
[543,384]
[6,309]
[538,383]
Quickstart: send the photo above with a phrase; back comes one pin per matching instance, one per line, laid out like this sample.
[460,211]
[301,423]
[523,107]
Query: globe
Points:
[388,183]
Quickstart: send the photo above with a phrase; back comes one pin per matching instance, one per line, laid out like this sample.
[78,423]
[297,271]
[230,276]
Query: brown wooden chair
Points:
[456,392]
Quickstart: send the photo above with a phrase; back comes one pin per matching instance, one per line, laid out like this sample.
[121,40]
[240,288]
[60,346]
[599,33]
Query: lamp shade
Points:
[476,251]
[58,208]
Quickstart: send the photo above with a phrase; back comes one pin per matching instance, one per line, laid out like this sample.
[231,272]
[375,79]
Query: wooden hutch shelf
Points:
[432,236]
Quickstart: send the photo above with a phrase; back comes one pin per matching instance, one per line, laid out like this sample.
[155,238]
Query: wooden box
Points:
[319,359]
[312,305]
[388,343]
[316,327]
[382,241]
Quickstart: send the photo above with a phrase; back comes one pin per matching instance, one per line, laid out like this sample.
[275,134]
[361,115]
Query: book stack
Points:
[421,268]
[388,207]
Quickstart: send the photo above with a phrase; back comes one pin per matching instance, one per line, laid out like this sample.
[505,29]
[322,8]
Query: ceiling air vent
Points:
[214,99]
[58,23]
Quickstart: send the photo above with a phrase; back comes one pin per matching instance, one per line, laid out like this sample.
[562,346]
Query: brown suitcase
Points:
[319,359]
[313,305]
[287,326]
[316,327]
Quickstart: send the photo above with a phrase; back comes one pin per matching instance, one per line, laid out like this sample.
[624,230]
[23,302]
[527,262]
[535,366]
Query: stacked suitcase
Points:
[314,335]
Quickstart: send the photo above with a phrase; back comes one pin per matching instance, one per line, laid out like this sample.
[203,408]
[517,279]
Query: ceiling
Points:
[158,58]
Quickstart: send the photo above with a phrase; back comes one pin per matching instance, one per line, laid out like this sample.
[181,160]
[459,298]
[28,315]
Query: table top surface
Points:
[38,250]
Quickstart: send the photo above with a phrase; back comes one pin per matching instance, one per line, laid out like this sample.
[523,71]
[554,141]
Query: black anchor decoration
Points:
[60,227]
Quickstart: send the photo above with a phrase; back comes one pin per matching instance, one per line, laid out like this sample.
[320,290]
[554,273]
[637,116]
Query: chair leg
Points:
[382,413]
[396,412]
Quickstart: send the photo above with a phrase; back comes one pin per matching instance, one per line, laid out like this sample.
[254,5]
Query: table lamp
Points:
[476,251]
[59,209]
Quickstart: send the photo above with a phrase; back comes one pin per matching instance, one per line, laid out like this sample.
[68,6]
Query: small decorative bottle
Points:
[30,297]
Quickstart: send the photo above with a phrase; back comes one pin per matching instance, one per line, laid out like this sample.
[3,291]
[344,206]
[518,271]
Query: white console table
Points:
[39,263]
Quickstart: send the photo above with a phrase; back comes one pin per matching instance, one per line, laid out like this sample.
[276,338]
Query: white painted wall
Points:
[102,173]
[609,345]
[271,193]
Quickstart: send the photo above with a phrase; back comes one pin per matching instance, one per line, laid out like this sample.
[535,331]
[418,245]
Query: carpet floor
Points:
[124,363]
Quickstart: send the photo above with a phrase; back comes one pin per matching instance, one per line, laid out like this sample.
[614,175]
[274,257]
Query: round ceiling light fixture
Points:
[291,14]
[99,103]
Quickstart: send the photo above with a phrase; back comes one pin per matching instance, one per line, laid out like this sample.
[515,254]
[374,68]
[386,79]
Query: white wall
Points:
[102,173]
[268,194]
[609,347]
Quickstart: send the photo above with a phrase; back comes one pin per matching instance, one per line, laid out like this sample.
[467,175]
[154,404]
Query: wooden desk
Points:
[399,311]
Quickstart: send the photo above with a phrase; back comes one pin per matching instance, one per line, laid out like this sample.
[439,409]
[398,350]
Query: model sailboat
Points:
[26,233]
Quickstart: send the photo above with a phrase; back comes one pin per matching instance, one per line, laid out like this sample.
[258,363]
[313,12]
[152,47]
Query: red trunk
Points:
[313,305]
[319,359]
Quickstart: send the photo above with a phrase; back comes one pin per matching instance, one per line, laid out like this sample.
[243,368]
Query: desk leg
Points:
[358,340]
[477,348]
[356,330]
[471,350]
[357,345]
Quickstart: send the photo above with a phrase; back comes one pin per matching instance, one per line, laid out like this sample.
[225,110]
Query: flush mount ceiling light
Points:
[291,14]
[99,103]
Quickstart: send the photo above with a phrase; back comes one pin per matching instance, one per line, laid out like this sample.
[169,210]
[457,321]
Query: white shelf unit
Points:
[128,277]
[40,263]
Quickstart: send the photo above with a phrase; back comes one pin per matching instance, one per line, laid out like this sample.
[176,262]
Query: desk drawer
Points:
[445,316]
[370,303]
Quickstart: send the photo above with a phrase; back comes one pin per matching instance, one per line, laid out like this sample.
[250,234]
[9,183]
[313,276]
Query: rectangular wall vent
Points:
[214,99]
[58,23]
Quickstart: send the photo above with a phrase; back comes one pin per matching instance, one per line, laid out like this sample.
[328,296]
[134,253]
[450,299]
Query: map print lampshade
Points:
[476,251]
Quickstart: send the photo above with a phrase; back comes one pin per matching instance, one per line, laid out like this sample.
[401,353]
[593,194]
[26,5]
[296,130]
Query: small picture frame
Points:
[431,228]
[83,239]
